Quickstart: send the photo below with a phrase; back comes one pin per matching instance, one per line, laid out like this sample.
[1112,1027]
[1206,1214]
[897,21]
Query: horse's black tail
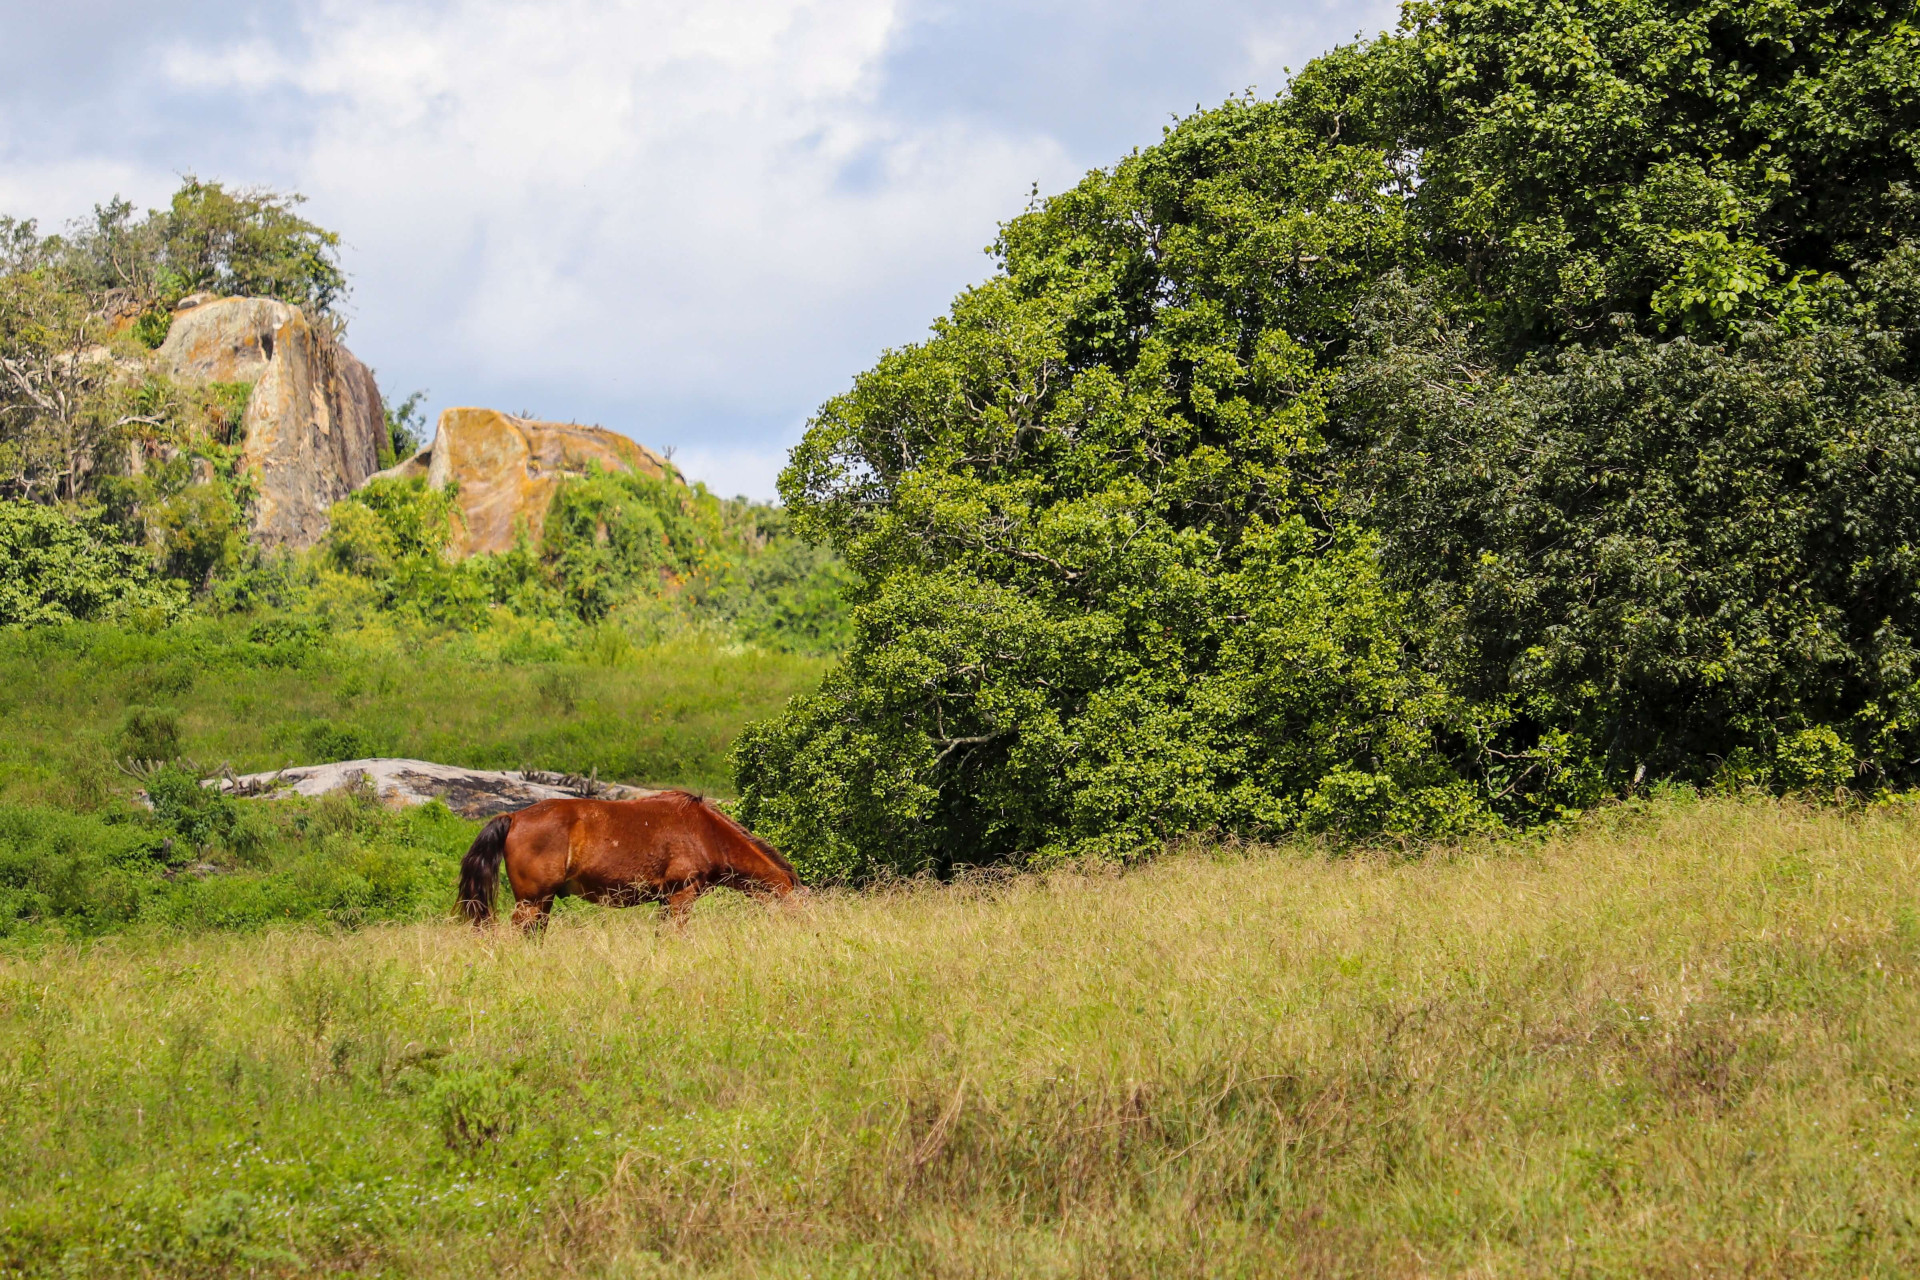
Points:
[480,869]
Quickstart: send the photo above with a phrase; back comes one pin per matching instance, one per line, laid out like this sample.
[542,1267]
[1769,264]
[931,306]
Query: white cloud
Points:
[684,208]
[692,220]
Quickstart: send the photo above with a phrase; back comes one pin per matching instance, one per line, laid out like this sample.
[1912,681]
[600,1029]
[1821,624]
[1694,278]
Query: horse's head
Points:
[780,875]
[755,860]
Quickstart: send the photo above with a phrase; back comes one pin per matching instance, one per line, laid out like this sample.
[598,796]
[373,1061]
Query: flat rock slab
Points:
[471,793]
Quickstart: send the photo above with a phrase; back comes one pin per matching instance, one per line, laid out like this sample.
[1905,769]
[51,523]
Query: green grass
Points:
[260,696]
[78,858]
[1683,1040]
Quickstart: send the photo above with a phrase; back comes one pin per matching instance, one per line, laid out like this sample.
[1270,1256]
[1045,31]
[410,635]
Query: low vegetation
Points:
[94,713]
[1679,1040]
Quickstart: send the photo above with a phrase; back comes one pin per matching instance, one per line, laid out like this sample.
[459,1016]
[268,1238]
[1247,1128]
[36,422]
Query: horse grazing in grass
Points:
[669,848]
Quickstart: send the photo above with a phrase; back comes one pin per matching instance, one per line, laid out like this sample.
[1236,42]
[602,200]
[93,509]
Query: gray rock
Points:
[471,793]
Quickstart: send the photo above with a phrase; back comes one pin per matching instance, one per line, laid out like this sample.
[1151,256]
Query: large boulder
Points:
[507,469]
[223,339]
[471,793]
[313,423]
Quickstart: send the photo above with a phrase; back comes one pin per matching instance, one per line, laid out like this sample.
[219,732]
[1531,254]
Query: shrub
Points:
[474,1106]
[56,567]
[85,874]
[199,815]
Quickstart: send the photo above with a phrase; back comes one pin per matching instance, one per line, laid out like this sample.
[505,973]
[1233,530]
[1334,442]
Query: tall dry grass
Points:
[1681,1041]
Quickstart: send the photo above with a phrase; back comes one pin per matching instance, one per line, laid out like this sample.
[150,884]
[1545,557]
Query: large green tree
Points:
[1184,520]
[1101,602]
[248,242]
[1691,160]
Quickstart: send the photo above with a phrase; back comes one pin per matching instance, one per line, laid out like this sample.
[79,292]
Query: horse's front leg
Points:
[680,901]
[531,913]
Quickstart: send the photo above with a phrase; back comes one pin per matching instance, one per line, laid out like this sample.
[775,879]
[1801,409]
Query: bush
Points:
[85,874]
[199,816]
[150,733]
[475,1106]
[341,859]
[56,567]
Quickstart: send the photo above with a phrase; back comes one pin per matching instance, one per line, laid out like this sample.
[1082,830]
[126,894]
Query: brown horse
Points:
[669,848]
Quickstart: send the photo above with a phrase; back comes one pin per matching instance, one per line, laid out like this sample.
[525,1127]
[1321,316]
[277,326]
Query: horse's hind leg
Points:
[531,913]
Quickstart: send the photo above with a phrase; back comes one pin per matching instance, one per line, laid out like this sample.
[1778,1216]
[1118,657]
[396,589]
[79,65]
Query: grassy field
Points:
[79,858]
[74,699]
[1683,1040]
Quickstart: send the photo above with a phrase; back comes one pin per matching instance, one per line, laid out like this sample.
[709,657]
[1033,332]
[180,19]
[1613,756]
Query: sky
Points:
[691,221]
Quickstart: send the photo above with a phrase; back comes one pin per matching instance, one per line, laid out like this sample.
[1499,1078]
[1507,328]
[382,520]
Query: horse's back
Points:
[654,837]
[669,846]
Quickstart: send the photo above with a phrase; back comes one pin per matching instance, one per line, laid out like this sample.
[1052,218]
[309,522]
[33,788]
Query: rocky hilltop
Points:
[314,426]
[507,469]
[313,422]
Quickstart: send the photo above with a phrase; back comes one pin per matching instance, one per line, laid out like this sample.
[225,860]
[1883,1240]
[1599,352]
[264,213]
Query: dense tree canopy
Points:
[1517,409]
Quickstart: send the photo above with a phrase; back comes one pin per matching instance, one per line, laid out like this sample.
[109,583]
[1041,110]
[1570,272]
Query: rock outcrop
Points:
[471,793]
[313,423]
[508,468]
[222,339]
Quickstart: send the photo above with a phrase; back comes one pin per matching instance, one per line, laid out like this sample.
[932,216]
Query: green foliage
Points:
[476,1106]
[412,520]
[779,591]
[616,546]
[58,401]
[150,328]
[60,567]
[1076,516]
[967,724]
[198,531]
[608,534]
[1666,553]
[89,874]
[198,815]
[1324,467]
[406,429]
[225,410]
[203,861]
[150,733]
[1816,759]
[1585,159]
[209,238]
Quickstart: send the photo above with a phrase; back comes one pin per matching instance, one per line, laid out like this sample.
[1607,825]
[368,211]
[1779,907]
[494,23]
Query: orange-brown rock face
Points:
[223,340]
[313,423]
[508,469]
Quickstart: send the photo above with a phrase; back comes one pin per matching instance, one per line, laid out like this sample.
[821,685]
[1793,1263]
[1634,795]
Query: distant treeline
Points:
[1518,411]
